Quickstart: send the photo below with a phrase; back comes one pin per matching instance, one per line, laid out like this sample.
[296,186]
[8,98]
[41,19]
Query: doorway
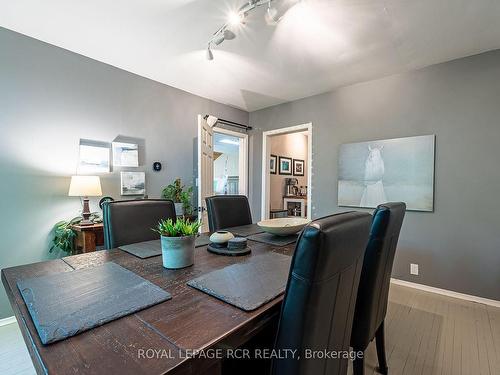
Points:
[287,172]
[222,164]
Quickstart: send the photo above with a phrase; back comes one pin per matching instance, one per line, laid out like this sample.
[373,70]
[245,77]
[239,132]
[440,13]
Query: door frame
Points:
[266,149]
[243,157]
[243,162]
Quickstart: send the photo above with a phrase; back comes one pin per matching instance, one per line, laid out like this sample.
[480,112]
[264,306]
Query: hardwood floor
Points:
[14,357]
[426,333]
[431,334]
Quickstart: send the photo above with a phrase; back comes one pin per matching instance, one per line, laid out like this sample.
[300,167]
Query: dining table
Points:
[161,339]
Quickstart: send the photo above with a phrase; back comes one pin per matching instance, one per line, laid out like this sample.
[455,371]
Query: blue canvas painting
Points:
[390,170]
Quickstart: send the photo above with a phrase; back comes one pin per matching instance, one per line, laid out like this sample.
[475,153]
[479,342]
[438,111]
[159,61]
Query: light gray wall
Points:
[49,99]
[458,245]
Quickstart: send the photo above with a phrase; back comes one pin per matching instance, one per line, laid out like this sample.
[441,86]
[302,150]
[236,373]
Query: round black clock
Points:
[157,166]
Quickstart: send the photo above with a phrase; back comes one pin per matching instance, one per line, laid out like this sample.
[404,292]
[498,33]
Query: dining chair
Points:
[132,221]
[320,295]
[226,211]
[373,291]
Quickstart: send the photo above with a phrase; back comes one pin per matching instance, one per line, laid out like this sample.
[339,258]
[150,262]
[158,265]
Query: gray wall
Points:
[458,245]
[49,99]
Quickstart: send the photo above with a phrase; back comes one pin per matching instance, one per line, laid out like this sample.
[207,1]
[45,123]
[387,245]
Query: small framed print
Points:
[285,165]
[272,164]
[133,183]
[298,167]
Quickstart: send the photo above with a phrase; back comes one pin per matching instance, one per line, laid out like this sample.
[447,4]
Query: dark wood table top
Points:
[191,320]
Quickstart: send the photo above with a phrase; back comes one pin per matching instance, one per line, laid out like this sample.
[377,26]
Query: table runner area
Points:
[65,304]
[247,285]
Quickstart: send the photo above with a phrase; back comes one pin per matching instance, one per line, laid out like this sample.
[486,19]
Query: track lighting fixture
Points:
[237,18]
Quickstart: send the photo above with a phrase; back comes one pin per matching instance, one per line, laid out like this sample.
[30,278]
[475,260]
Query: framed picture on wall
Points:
[298,167]
[285,165]
[93,157]
[125,154]
[272,164]
[388,170]
[133,183]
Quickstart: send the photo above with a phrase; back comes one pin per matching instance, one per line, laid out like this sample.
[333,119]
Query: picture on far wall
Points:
[133,183]
[298,167]
[93,157]
[390,170]
[285,165]
[125,154]
[272,164]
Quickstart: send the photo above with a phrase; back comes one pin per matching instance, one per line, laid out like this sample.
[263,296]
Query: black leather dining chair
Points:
[226,211]
[320,295]
[373,291]
[131,221]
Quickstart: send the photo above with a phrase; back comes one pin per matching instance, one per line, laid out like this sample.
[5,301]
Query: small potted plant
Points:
[180,195]
[177,242]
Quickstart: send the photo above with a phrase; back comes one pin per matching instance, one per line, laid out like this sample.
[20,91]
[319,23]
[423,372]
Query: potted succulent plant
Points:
[177,242]
[180,195]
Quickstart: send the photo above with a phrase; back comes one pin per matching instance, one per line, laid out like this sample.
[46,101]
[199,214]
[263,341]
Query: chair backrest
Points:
[373,292]
[320,296]
[131,221]
[225,211]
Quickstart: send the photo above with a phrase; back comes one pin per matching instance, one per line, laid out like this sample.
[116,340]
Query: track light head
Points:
[219,39]
[229,35]
[235,19]
[272,16]
[210,55]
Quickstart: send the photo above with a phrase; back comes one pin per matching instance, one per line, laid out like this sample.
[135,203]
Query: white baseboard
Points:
[449,293]
[9,320]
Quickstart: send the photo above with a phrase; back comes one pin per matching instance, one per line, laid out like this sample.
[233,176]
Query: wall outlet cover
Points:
[413,269]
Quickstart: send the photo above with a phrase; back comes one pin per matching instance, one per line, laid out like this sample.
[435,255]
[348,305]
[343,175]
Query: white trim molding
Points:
[448,293]
[265,205]
[7,321]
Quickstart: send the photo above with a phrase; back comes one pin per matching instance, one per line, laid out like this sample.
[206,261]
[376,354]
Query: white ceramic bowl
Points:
[283,226]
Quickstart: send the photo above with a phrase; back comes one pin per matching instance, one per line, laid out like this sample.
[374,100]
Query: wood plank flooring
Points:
[431,334]
[426,334]
[14,357]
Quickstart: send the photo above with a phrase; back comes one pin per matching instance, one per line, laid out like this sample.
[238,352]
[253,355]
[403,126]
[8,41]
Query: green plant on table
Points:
[179,194]
[178,228]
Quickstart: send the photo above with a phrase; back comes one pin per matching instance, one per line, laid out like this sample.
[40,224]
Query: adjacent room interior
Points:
[282,187]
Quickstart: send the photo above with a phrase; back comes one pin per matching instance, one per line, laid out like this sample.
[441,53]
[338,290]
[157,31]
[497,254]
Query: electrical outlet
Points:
[413,269]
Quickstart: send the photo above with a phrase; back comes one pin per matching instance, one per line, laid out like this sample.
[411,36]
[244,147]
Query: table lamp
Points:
[85,186]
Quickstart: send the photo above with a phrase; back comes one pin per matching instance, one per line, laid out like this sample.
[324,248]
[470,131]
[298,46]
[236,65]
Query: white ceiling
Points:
[318,46]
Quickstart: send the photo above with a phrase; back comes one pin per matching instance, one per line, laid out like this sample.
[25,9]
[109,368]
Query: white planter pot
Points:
[177,252]
[179,209]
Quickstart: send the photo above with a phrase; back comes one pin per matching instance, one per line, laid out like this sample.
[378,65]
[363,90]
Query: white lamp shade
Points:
[85,186]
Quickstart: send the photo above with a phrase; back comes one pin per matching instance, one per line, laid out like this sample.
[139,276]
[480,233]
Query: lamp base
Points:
[86,213]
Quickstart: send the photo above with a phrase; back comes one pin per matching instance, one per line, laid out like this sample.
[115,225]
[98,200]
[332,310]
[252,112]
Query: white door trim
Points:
[265,205]
[6,321]
[243,157]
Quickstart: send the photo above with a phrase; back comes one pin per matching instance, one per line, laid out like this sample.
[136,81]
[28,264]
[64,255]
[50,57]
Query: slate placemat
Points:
[202,240]
[247,285]
[271,239]
[245,230]
[152,248]
[143,250]
[65,304]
